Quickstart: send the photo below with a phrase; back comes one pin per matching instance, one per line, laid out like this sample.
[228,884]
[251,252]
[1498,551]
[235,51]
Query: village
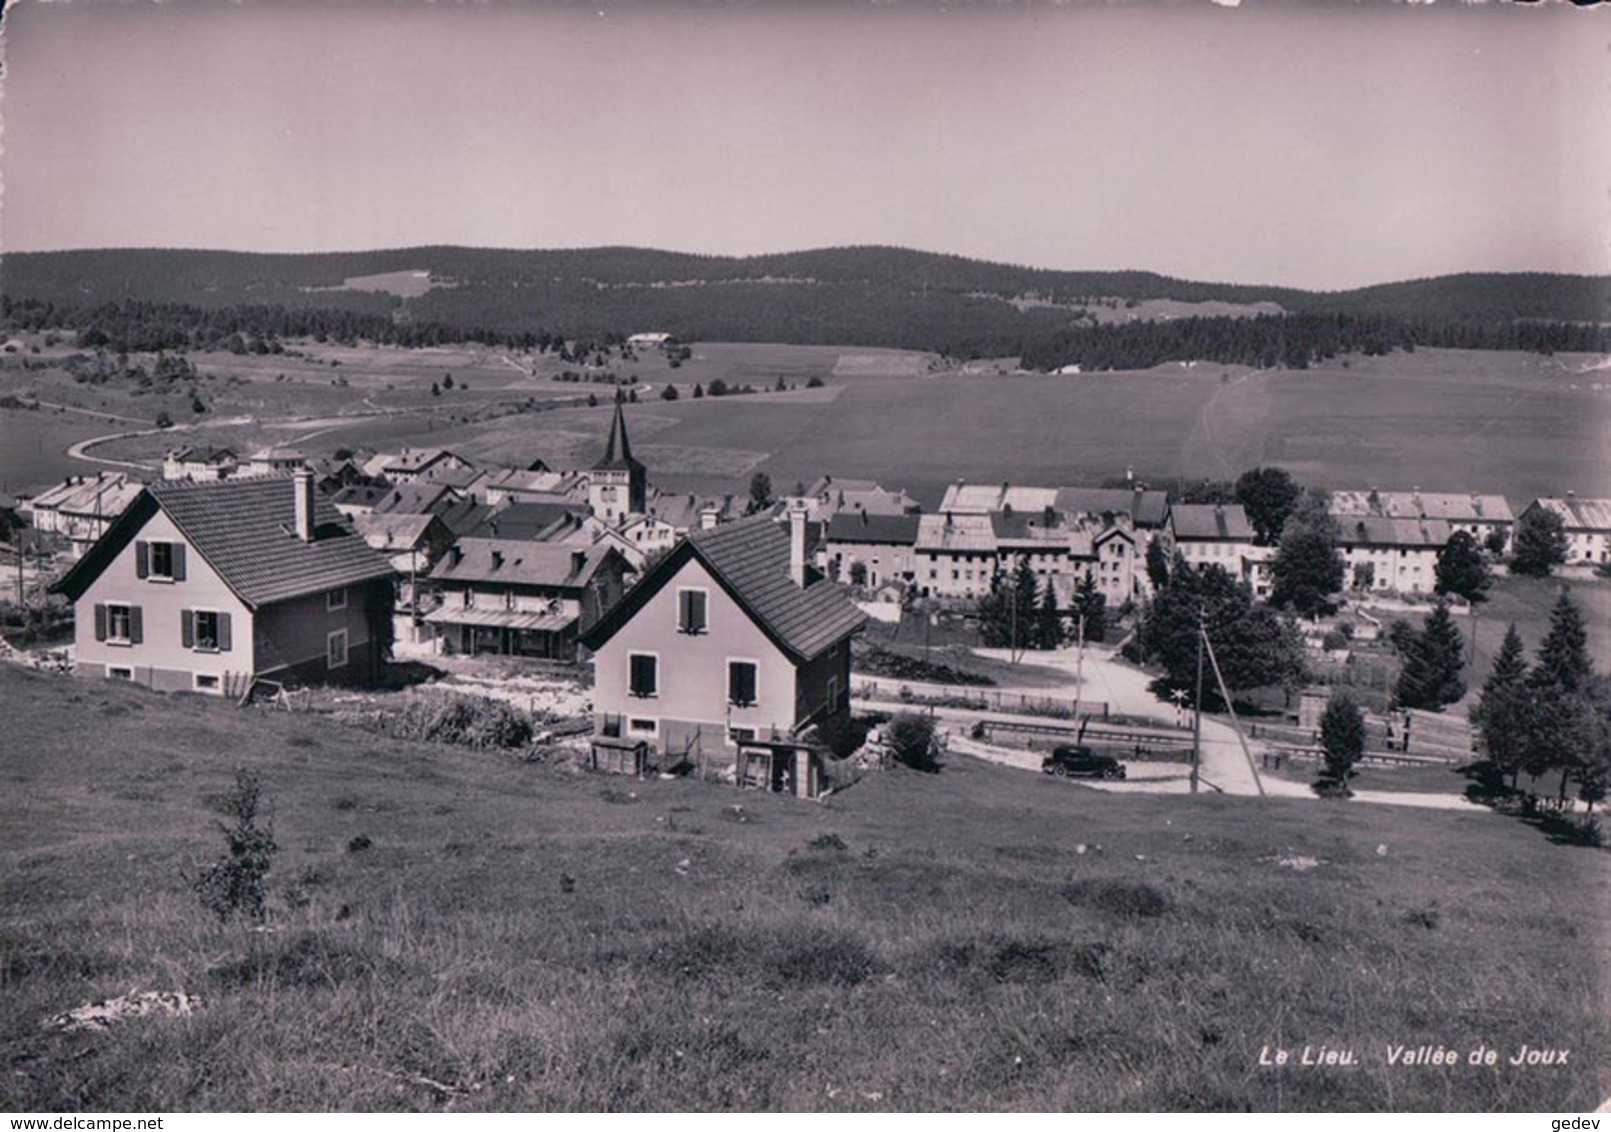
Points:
[772,641]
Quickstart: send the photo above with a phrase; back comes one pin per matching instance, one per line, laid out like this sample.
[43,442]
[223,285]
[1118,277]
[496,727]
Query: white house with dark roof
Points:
[414,463]
[884,546]
[199,462]
[1478,515]
[1210,534]
[732,638]
[206,586]
[1587,523]
[1391,555]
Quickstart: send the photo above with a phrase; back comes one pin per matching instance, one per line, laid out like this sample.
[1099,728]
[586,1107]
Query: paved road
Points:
[1224,767]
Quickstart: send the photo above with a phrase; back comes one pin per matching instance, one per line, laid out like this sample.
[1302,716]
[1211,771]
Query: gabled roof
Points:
[519,563]
[618,450]
[1200,521]
[1376,530]
[245,530]
[862,526]
[956,533]
[1146,508]
[398,531]
[1456,507]
[750,560]
[1579,514]
[423,497]
[103,495]
[979,498]
[418,459]
[202,454]
[525,520]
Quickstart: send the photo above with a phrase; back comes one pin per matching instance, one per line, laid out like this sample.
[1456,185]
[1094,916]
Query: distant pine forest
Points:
[165,300]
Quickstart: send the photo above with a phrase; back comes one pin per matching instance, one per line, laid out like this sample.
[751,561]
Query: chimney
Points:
[797,546]
[578,561]
[302,486]
[708,517]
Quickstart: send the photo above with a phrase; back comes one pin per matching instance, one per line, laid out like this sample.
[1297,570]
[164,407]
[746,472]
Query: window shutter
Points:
[178,553]
[225,640]
[187,628]
[696,606]
[100,622]
[142,559]
[684,602]
[136,625]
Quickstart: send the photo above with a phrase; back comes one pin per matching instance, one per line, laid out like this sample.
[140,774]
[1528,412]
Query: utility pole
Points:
[1079,668]
[1197,719]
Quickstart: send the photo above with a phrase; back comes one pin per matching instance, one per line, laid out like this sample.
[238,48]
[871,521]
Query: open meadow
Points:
[1441,420]
[464,930]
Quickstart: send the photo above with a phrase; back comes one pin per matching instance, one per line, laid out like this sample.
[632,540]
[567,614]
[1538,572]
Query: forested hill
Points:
[852,296]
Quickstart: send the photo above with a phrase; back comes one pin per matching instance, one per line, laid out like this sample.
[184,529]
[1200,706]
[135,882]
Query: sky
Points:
[1321,145]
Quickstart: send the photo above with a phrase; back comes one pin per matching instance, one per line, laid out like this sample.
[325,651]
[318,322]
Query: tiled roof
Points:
[1456,507]
[1211,521]
[417,459]
[393,532]
[1580,514]
[750,559]
[1376,530]
[952,533]
[861,526]
[1146,508]
[244,529]
[979,498]
[517,562]
[525,520]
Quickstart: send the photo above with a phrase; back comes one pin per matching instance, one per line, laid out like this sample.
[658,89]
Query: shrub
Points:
[237,883]
[466,721]
[911,737]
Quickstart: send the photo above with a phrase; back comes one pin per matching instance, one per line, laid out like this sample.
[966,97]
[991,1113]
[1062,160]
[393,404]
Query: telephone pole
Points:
[1197,717]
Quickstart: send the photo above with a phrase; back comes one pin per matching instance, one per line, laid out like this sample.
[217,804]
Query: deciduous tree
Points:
[1462,570]
[1268,495]
[1539,544]
[1307,569]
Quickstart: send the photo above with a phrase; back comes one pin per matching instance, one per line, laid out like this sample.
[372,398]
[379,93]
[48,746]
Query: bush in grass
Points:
[464,721]
[237,883]
[911,737]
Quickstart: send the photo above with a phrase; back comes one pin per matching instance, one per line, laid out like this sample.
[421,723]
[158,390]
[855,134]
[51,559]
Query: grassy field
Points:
[464,930]
[1517,424]
[1439,420]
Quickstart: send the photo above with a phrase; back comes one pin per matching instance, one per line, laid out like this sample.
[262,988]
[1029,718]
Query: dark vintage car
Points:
[1081,762]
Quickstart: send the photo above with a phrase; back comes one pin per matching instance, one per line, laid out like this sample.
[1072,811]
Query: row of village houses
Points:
[710,631]
[525,561]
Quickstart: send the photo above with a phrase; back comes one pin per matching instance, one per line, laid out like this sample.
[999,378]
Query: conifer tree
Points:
[1502,710]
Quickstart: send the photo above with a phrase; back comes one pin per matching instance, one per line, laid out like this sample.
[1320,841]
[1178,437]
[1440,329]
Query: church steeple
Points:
[618,440]
[618,484]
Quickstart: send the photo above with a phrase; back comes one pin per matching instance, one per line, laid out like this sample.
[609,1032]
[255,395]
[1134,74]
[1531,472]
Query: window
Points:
[162,560]
[742,678]
[644,675]
[206,628]
[335,599]
[643,726]
[206,683]
[741,734]
[693,611]
[120,674]
[121,624]
[469,599]
[335,649]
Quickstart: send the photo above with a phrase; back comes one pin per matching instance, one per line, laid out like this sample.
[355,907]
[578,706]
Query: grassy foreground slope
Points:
[520,936]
